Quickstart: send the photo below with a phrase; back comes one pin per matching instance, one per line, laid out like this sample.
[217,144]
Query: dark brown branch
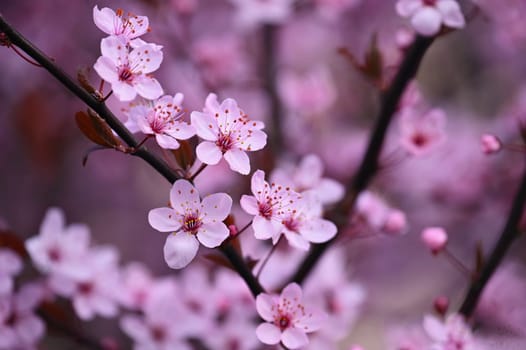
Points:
[369,164]
[508,236]
[102,110]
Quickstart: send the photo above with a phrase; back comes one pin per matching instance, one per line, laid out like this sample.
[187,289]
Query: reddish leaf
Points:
[97,130]
[184,155]
[373,66]
[84,82]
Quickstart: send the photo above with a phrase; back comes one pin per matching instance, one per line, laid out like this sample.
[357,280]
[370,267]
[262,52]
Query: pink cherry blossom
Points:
[270,205]
[490,144]
[308,176]
[137,284]
[419,134]
[435,238]
[127,72]
[190,221]
[117,24]
[452,333]
[288,320]
[94,294]
[428,16]
[161,118]
[58,249]
[10,266]
[228,133]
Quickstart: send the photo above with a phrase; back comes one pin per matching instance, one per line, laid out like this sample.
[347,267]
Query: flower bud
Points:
[490,144]
[435,238]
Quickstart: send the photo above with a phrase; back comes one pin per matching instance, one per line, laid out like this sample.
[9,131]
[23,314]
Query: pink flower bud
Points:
[435,238]
[490,144]
[396,223]
[233,230]
[441,304]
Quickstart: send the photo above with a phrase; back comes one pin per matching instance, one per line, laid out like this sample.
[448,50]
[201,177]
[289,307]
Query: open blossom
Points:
[117,24]
[163,119]
[308,176]
[421,133]
[228,133]
[190,221]
[59,249]
[127,71]
[427,16]
[270,205]
[451,334]
[288,320]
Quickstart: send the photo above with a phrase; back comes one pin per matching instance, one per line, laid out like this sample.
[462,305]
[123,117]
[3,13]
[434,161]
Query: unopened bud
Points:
[490,144]
[441,304]
[435,238]
[396,223]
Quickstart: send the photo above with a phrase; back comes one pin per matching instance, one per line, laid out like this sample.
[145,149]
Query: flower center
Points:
[192,222]
[125,74]
[265,210]
[429,2]
[419,139]
[54,254]
[85,288]
[224,142]
[283,322]
[291,224]
[158,334]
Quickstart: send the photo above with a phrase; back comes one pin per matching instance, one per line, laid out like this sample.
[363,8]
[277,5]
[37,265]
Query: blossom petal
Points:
[249,204]
[312,321]
[258,183]
[451,13]
[135,328]
[167,141]
[211,235]
[238,161]
[208,153]
[216,207]
[296,240]
[205,125]
[183,195]
[319,230]
[115,49]
[264,228]
[427,21]
[104,19]
[407,8]
[434,328]
[83,309]
[53,223]
[106,69]
[180,249]
[123,91]
[264,305]
[29,329]
[294,338]
[292,292]
[145,59]
[329,191]
[147,87]
[268,333]
[255,141]
[164,220]
[181,131]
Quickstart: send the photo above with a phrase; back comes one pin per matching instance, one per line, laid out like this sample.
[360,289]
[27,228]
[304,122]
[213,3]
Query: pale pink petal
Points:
[228,112]
[53,223]
[208,153]
[264,305]
[257,182]
[212,104]
[115,49]
[181,130]
[104,19]
[407,8]
[138,26]
[329,191]
[106,69]
[265,229]
[255,141]
[29,329]
[164,220]
[212,235]
[312,321]
[249,204]
[205,126]
[135,328]
[147,87]
[145,59]
[104,306]
[180,249]
[427,21]
[451,13]
[6,285]
[268,333]
[184,195]
[296,240]
[8,338]
[216,207]
[310,170]
[434,328]
[291,292]
[166,141]
[238,161]
[83,308]
[319,230]
[294,338]
[10,262]
[123,91]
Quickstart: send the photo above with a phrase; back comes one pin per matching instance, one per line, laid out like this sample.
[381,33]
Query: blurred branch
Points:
[508,236]
[270,84]
[102,110]
[369,165]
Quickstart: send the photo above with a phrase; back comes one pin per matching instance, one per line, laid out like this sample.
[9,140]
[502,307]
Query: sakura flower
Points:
[191,222]
[435,238]
[10,266]
[288,320]
[270,205]
[420,134]
[228,133]
[308,176]
[117,24]
[57,248]
[94,294]
[453,333]
[305,224]
[162,119]
[127,72]
[137,284]
[256,12]
[428,16]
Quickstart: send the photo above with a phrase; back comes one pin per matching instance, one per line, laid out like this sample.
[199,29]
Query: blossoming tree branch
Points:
[259,234]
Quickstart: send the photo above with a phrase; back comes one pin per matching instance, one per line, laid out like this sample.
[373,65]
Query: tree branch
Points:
[369,164]
[508,236]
